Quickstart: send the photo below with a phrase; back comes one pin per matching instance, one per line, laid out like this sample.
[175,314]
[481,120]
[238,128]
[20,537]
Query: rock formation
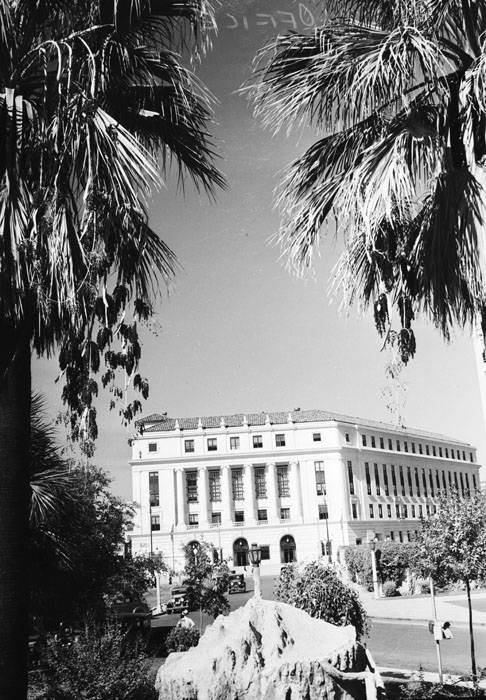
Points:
[269,651]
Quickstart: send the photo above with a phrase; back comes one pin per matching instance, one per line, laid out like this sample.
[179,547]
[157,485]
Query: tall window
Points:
[394,480]
[214,485]
[413,448]
[397,511]
[363,440]
[464,455]
[284,513]
[237,484]
[283,481]
[212,444]
[417,481]
[404,512]
[427,451]
[155,522]
[320,478]
[234,443]
[377,479]
[193,520]
[474,481]
[450,480]
[191,486]
[456,482]
[433,450]
[385,481]
[368,478]
[373,441]
[447,452]
[471,458]
[257,441]
[462,483]
[346,437]
[398,446]
[323,511]
[350,477]
[413,511]
[409,481]
[437,479]
[421,512]
[390,444]
[372,511]
[444,482]
[382,444]
[388,510]
[354,510]
[154,488]
[440,451]
[424,482]
[431,484]
[260,483]
[280,440]
[402,480]
[405,446]
[452,453]
[188,445]
[467,482]
[420,448]
[380,510]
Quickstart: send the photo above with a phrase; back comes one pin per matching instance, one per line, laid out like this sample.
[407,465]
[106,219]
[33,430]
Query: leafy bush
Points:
[182,638]
[100,665]
[358,561]
[390,589]
[206,581]
[393,560]
[317,589]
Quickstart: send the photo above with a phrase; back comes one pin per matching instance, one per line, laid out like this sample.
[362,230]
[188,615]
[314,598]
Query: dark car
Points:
[236,583]
[177,601]
[132,614]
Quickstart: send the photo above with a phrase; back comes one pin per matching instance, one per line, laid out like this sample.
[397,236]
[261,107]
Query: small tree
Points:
[318,590]
[206,581]
[452,544]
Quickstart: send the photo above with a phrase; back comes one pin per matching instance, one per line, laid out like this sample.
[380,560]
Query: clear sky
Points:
[238,333]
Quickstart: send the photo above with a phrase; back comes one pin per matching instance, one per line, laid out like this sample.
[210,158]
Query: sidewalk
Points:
[420,608]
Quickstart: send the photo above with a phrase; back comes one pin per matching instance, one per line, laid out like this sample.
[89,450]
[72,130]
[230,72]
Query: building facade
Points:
[299,484]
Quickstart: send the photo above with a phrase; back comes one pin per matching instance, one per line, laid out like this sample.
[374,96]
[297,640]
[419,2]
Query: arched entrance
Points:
[240,552]
[288,550]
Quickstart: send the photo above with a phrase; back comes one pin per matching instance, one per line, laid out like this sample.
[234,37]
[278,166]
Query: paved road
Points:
[404,645]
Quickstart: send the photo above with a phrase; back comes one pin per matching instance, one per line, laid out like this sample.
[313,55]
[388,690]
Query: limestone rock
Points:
[269,651]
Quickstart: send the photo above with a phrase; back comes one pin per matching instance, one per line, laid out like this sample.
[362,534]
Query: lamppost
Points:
[255,554]
[195,551]
[328,541]
[376,589]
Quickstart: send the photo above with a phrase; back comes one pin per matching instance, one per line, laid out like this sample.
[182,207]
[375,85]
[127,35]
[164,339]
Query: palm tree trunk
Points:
[15,393]
[471,634]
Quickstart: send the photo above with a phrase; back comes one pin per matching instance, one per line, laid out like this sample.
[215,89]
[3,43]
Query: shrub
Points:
[390,589]
[100,665]
[358,561]
[317,589]
[182,638]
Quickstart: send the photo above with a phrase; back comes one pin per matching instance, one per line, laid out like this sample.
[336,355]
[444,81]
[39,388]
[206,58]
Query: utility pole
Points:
[437,642]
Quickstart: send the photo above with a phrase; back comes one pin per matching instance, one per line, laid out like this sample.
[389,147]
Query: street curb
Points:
[418,621]
[402,675]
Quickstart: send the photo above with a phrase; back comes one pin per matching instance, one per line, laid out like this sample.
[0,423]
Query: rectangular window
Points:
[346,436]
[405,446]
[404,512]
[382,444]
[354,509]
[350,478]
[398,446]
[431,484]
[257,441]
[471,458]
[239,516]
[234,443]
[424,482]
[450,480]
[373,441]
[456,485]
[363,440]
[260,483]
[400,536]
[283,481]
[216,518]
[191,486]
[154,488]
[413,511]
[155,522]
[388,510]
[447,453]
[193,520]
[397,510]
[413,448]
[237,484]
[265,552]
[390,444]
[316,437]
[372,512]
[433,450]
[380,510]
[284,513]
[394,480]
[440,451]
[437,479]
[462,484]
[212,444]
[152,447]
[444,483]
[464,455]
[474,482]
[188,445]
[452,453]
[417,481]
[427,510]
[466,476]
[368,478]
[280,440]
[427,451]
[385,481]
[402,480]
[421,512]
[420,448]
[262,515]
[323,512]
[409,481]
[320,478]
[214,485]
[392,535]
[377,479]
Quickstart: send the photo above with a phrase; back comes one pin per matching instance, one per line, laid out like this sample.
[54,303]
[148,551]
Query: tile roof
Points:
[162,423]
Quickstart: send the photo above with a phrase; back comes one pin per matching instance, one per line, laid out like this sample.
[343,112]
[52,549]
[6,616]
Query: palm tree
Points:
[95,100]
[396,91]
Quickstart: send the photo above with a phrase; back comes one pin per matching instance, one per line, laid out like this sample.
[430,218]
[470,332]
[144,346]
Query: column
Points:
[203,496]
[180,499]
[249,486]
[272,496]
[226,497]
[295,492]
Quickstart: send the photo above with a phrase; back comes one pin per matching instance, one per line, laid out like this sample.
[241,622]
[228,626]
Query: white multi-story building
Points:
[290,482]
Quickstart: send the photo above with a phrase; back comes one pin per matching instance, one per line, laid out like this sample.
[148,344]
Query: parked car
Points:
[132,614]
[177,601]
[236,583]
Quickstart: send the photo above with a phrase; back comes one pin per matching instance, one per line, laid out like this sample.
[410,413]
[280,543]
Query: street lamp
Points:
[255,554]
[376,590]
